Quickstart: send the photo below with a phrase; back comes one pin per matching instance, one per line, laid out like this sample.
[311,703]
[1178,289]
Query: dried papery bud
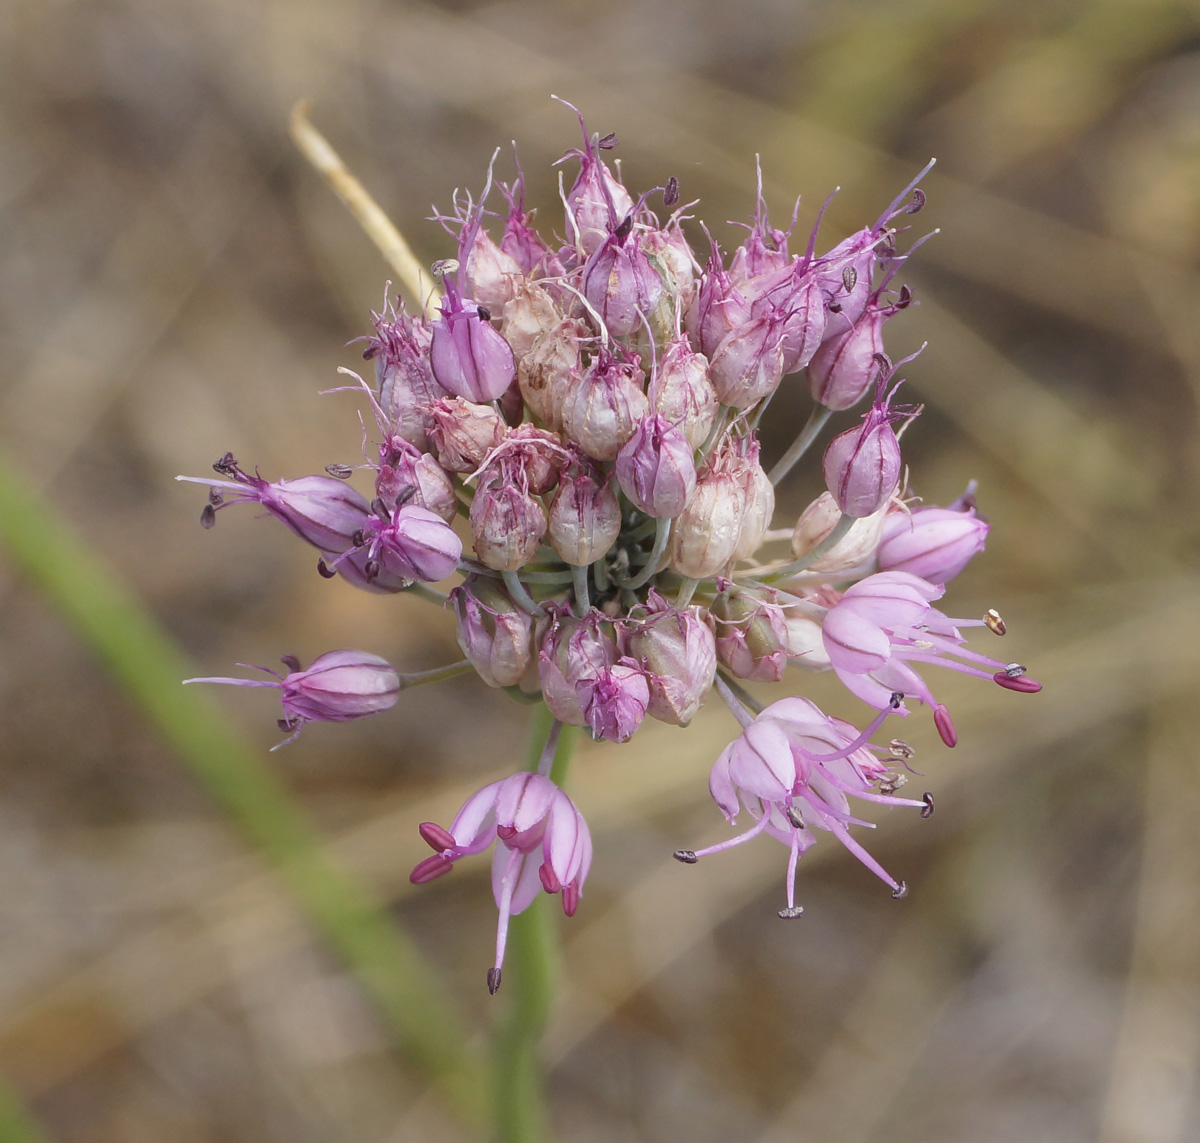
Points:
[933,543]
[862,465]
[530,313]
[493,632]
[805,643]
[464,434]
[400,350]
[706,532]
[412,543]
[326,512]
[855,547]
[405,472]
[614,701]
[545,372]
[751,633]
[603,406]
[508,523]
[469,357]
[759,494]
[491,276]
[655,468]
[671,257]
[748,364]
[340,686]
[585,515]
[573,650]
[681,392]
[620,284]
[843,368]
[537,454]
[678,654]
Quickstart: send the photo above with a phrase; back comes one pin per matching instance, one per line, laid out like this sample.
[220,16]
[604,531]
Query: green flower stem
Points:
[531,972]
[835,537]
[16,1124]
[144,661]
[808,434]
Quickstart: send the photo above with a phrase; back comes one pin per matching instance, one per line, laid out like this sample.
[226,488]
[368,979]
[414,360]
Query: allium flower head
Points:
[574,430]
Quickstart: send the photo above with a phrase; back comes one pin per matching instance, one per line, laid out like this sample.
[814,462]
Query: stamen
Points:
[900,892]
[994,623]
[927,798]
[686,856]
[792,912]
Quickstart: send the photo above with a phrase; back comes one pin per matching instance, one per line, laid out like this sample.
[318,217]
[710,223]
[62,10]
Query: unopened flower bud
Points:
[748,364]
[469,357]
[614,701]
[404,472]
[862,465]
[596,202]
[493,632]
[856,546]
[326,512]
[508,523]
[678,653]
[706,532]
[933,543]
[585,515]
[400,350]
[681,392]
[603,406]
[340,686]
[573,650]
[845,275]
[545,371]
[655,468]
[843,368]
[621,285]
[751,634]
[412,543]
[718,308]
[805,643]
[465,433]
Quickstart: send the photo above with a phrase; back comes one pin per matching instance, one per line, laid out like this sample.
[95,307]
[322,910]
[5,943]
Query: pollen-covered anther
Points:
[994,623]
[444,266]
[900,892]
[687,856]
[901,748]
[793,815]
[791,913]
[927,798]
[493,980]
[1014,670]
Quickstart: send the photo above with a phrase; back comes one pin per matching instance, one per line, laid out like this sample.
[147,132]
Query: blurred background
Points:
[176,282]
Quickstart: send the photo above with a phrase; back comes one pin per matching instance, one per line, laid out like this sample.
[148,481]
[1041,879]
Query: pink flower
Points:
[524,814]
[794,769]
[882,625]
